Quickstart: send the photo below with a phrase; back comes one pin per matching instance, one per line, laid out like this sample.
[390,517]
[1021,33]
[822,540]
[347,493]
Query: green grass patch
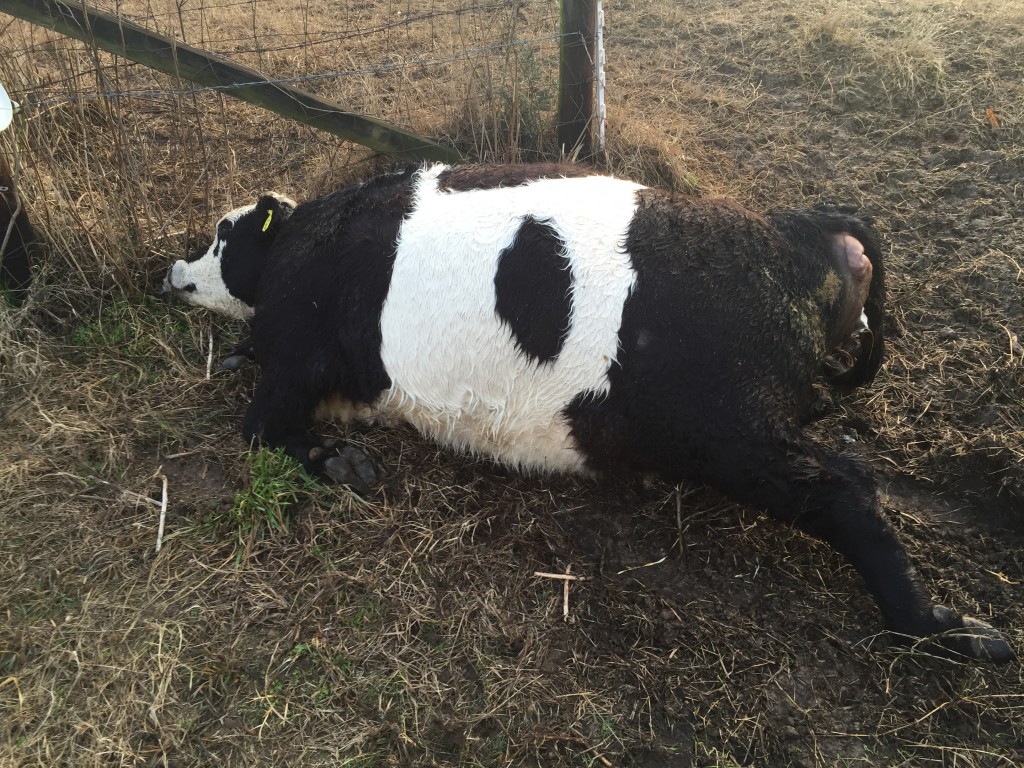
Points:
[277,483]
[133,327]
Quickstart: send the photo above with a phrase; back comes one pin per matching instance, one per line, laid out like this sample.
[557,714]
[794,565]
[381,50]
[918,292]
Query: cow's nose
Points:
[165,285]
[169,285]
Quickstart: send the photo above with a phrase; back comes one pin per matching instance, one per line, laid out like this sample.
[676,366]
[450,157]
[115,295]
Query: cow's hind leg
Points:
[281,416]
[833,498]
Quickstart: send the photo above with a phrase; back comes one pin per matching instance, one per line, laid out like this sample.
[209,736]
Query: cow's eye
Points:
[224,227]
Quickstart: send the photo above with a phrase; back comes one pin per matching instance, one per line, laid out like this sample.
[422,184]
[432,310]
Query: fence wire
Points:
[382,69]
[442,68]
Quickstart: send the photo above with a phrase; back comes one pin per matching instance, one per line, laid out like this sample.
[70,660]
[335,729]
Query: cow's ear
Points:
[272,210]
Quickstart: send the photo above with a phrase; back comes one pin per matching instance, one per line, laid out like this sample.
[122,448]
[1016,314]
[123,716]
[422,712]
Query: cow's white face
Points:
[224,278]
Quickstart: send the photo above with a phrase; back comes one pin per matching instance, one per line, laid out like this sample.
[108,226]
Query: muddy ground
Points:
[409,628]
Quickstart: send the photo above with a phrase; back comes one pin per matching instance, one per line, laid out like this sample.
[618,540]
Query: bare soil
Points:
[409,628]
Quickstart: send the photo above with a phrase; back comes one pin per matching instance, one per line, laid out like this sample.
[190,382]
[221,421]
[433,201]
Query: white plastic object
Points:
[7,108]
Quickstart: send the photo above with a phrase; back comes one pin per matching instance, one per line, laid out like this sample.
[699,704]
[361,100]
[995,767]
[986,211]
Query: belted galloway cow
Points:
[558,319]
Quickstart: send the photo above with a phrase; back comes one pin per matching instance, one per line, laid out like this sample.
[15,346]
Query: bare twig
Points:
[679,520]
[565,578]
[163,510]
[209,355]
[565,594]
[138,498]
[644,565]
[562,576]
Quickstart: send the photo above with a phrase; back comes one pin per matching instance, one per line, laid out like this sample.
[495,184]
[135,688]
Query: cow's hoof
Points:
[234,362]
[240,356]
[973,639]
[353,468]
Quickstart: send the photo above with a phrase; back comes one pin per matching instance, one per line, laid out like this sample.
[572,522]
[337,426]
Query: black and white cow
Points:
[560,320]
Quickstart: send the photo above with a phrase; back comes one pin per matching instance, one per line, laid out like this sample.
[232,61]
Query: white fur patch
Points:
[457,372]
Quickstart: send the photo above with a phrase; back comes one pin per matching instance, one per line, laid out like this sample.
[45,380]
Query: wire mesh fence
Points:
[418,66]
[126,164]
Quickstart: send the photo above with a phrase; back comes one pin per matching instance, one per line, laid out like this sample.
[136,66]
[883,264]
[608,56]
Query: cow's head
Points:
[224,278]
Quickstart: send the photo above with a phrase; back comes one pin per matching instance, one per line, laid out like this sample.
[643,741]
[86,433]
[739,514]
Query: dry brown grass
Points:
[408,629]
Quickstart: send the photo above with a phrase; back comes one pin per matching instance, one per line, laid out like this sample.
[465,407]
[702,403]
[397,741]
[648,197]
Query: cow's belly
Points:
[537,439]
[523,440]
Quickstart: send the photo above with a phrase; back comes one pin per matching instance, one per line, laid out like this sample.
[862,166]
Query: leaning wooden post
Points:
[116,35]
[576,78]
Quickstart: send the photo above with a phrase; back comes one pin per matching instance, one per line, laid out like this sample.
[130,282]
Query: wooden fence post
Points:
[576,78]
[118,36]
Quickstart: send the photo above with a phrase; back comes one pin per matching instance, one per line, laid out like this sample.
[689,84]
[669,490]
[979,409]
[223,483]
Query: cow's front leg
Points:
[281,416]
[240,356]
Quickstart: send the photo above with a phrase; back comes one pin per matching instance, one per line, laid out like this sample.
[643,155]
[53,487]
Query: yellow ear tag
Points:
[266,224]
